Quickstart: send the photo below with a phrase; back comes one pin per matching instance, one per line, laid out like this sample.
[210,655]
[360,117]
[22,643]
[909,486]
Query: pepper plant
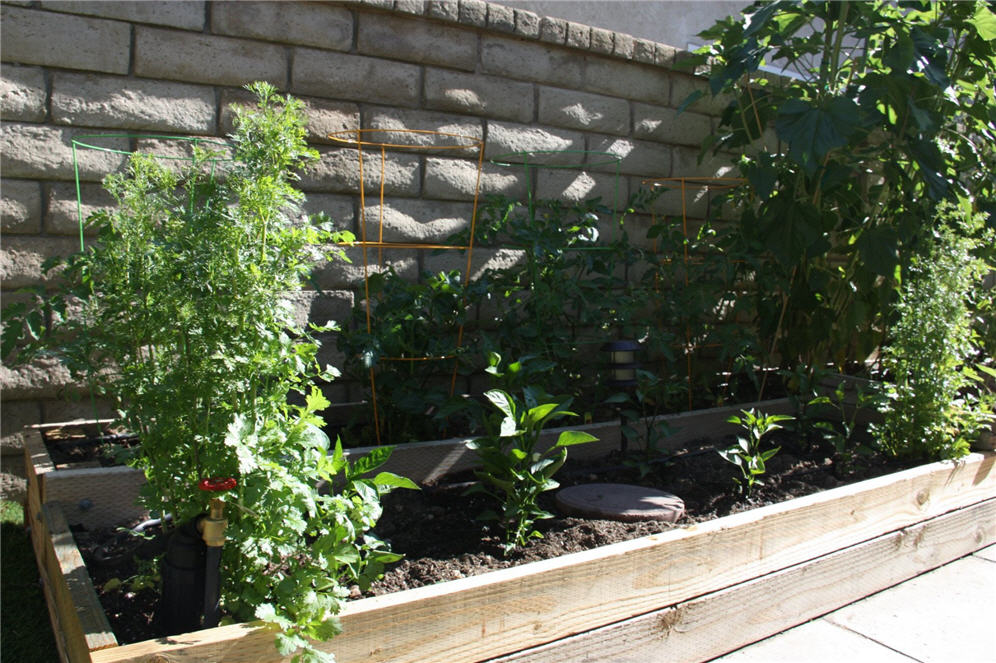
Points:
[178,314]
[746,454]
[515,470]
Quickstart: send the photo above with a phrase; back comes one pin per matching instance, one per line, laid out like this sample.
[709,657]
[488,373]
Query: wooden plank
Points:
[78,610]
[723,621]
[110,495]
[505,611]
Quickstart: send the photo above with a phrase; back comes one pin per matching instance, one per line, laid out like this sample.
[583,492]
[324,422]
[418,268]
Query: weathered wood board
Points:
[547,604]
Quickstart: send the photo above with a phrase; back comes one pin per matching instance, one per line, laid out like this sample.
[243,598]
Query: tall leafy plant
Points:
[883,111]
[178,314]
[935,404]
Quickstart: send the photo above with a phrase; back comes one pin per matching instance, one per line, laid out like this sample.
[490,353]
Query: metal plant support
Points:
[372,149]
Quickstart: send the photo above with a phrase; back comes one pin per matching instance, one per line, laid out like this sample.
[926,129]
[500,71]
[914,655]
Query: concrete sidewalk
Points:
[947,615]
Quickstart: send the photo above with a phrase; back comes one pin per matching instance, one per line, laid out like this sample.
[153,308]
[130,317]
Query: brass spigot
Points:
[212,527]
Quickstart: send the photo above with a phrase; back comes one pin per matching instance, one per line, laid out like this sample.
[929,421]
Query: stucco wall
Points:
[509,76]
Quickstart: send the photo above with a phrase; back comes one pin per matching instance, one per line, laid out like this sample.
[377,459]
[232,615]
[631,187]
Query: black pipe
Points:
[212,590]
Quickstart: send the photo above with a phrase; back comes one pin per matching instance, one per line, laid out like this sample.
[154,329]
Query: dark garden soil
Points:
[438,532]
[74,445]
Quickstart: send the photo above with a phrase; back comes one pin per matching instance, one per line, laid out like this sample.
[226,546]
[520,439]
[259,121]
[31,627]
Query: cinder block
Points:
[527,24]
[583,110]
[644,51]
[21,259]
[36,151]
[531,61]
[324,25]
[416,221]
[30,36]
[355,77]
[665,56]
[323,116]
[44,378]
[666,125]
[446,10]
[17,415]
[56,410]
[200,58]
[628,80]
[341,275]
[20,207]
[125,103]
[501,18]
[415,7]
[474,12]
[22,94]
[489,96]
[62,216]
[338,171]
[485,259]
[320,307]
[555,146]
[686,164]
[464,135]
[683,86]
[638,157]
[340,209]
[417,40]
[553,30]
[456,179]
[578,35]
[623,46]
[185,14]
[602,41]
[581,185]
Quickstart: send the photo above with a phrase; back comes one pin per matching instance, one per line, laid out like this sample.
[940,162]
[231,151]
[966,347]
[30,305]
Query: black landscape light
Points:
[622,362]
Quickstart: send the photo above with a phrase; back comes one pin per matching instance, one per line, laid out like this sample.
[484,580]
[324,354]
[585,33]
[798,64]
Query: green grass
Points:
[25,630]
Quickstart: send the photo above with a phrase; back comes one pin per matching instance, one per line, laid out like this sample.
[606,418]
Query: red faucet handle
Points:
[217,484]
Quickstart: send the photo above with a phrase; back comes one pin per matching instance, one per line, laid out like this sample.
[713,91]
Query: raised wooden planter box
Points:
[98,496]
[673,596]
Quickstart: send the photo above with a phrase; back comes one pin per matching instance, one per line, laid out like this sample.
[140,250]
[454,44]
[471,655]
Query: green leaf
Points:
[984,21]
[502,401]
[394,481]
[879,249]
[813,131]
[572,437]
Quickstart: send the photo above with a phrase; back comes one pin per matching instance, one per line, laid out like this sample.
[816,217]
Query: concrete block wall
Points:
[514,79]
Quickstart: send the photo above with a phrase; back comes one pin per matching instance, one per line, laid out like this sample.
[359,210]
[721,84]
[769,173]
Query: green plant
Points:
[840,425]
[410,342]
[933,407]
[178,313]
[640,411]
[515,470]
[568,287]
[746,454]
[885,110]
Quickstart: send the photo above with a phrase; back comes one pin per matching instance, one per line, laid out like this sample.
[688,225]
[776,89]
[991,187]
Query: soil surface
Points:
[75,445]
[438,531]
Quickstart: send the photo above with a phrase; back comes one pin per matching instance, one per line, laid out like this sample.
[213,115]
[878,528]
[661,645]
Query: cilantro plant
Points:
[515,470]
[746,454]
[178,314]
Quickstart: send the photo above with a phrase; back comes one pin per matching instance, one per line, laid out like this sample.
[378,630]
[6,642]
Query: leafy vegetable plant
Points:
[746,454]
[935,403]
[178,314]
[515,470]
